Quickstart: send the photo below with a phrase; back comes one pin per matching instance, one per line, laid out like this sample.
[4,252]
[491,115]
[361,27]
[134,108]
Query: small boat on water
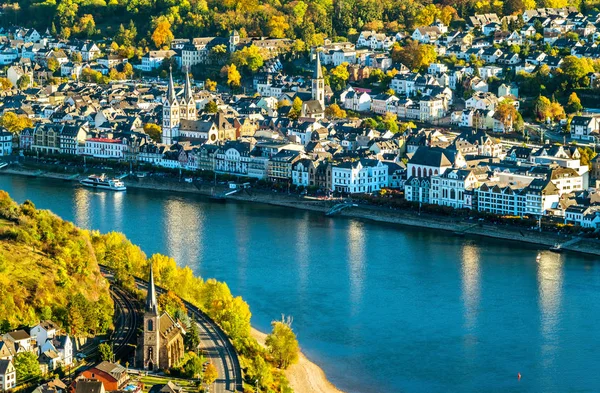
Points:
[539,257]
[103,182]
[556,248]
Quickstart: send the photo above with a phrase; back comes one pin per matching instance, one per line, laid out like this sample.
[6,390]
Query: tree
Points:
[282,344]
[507,114]
[575,70]
[5,84]
[234,79]
[27,366]
[573,104]
[369,123]
[192,368]
[192,337]
[171,303]
[414,55]
[541,107]
[334,111]
[447,14]
[106,352]
[426,16]
[210,85]
[162,35]
[338,76]
[23,82]
[210,374]
[154,131]
[277,26]
[211,107]
[53,64]
[296,110]
[587,155]
[15,123]
[248,57]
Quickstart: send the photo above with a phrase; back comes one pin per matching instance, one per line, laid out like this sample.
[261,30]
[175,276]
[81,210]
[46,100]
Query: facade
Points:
[104,148]
[8,375]
[362,176]
[6,143]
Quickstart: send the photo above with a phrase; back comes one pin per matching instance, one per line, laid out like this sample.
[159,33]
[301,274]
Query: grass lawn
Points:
[151,380]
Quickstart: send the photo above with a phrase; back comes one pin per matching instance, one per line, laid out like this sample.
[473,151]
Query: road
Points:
[213,341]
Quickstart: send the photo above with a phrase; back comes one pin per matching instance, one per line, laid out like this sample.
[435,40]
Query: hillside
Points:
[48,270]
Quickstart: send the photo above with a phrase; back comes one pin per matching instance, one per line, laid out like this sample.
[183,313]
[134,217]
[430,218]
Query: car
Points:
[80,356]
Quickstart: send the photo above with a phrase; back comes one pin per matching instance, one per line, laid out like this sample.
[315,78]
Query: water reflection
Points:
[183,226]
[470,283]
[117,205]
[550,278]
[242,238]
[302,247]
[356,261]
[81,200]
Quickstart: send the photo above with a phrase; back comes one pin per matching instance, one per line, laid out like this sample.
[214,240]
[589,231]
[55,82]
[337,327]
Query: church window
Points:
[150,325]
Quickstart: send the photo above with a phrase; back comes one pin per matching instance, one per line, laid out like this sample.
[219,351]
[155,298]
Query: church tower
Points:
[171,115]
[318,84]
[151,337]
[234,40]
[188,104]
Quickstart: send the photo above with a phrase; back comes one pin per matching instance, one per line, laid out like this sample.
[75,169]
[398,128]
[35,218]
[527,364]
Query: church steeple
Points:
[187,92]
[151,305]
[318,83]
[171,88]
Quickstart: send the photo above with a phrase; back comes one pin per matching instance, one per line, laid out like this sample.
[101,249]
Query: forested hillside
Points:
[133,22]
[48,270]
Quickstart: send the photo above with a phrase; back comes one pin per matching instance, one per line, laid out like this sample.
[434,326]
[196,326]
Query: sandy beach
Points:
[304,376]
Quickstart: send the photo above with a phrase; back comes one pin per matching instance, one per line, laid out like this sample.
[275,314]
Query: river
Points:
[380,308]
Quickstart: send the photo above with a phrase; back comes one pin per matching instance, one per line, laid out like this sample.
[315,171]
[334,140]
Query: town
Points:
[436,113]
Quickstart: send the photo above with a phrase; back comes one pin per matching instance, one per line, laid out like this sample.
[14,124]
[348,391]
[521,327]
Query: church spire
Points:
[171,89]
[318,70]
[187,93]
[151,305]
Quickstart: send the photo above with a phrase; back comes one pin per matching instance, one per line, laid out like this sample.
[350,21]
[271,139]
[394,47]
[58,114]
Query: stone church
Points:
[161,345]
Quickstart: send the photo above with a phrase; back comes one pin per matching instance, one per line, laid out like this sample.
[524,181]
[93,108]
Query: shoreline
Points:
[304,376]
[369,213]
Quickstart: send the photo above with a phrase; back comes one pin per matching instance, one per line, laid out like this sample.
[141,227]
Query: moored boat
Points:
[556,248]
[103,182]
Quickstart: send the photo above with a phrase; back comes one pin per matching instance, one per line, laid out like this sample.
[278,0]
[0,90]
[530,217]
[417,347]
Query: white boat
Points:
[103,182]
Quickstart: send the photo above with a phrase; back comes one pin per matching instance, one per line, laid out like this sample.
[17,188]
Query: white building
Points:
[360,176]
[154,59]
[6,143]
[535,199]
[104,148]
[585,128]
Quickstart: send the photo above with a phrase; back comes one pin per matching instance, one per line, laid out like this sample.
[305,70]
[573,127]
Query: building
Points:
[161,343]
[362,176]
[6,143]
[104,148]
[315,108]
[585,128]
[536,198]
[112,376]
[454,187]
[8,375]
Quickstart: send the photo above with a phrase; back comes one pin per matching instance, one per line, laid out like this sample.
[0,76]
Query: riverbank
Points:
[449,225]
[304,376]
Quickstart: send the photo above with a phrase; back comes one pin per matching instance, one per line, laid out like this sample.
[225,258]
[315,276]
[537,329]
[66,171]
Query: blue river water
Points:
[380,308]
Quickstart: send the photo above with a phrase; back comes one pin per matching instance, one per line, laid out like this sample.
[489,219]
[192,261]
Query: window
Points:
[150,325]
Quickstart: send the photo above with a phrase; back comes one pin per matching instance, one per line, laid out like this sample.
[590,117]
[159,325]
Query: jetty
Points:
[336,209]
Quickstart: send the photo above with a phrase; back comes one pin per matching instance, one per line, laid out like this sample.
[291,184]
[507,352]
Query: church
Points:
[315,108]
[161,344]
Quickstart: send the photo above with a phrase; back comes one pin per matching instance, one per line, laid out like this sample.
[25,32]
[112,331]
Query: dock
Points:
[336,209]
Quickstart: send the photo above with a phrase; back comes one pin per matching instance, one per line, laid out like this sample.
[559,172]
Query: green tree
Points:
[296,110]
[192,337]
[53,64]
[282,344]
[211,107]
[27,366]
[338,76]
[248,57]
[23,82]
[192,368]
[573,104]
[106,352]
